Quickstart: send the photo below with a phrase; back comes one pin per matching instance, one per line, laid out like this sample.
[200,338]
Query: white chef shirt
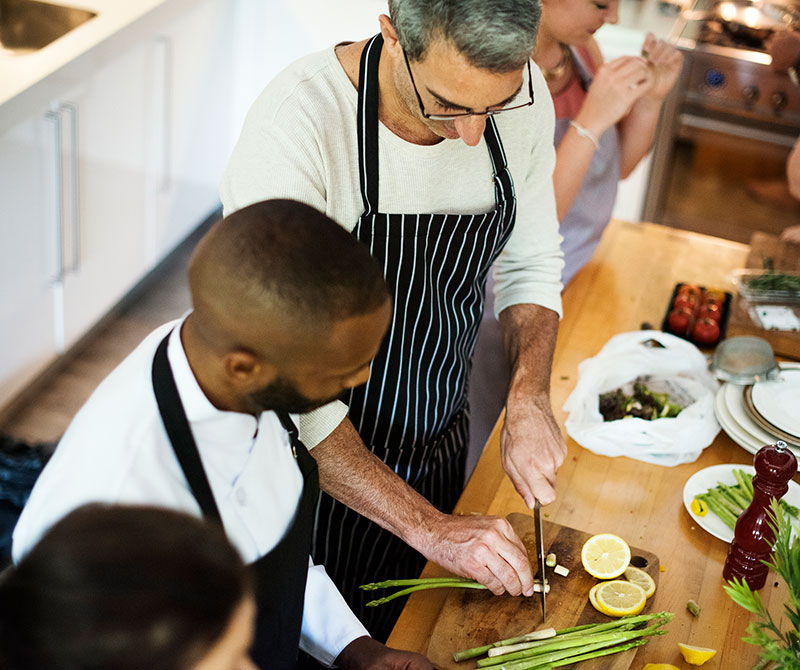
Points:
[117,451]
[300,141]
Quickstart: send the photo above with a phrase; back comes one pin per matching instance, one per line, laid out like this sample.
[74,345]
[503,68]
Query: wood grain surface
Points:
[476,618]
[628,282]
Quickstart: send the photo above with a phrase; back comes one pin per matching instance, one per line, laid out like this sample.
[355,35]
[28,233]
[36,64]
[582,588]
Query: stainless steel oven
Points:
[719,163]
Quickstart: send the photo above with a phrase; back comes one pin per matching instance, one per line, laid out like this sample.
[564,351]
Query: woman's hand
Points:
[665,62]
[617,85]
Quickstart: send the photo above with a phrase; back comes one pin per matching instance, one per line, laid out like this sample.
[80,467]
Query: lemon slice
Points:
[619,598]
[660,666]
[593,598]
[641,578]
[605,556]
[695,655]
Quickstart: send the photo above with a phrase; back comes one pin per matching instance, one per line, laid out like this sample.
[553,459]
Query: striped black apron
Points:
[412,413]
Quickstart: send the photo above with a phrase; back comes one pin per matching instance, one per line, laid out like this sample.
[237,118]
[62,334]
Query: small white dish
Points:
[708,478]
[778,401]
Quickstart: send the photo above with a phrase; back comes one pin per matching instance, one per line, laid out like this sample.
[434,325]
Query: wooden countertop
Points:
[629,281]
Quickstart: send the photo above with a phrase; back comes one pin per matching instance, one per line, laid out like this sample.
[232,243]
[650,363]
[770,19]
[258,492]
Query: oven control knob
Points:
[715,78]
[750,94]
[779,100]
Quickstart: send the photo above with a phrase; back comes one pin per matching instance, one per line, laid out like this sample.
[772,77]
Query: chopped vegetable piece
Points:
[550,561]
[699,507]
[693,607]
[561,570]
[543,634]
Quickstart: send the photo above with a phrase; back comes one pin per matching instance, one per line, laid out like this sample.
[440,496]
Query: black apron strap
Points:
[306,462]
[367,128]
[496,151]
[180,433]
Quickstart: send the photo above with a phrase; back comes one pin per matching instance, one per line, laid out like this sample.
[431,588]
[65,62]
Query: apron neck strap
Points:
[180,433]
[368,123]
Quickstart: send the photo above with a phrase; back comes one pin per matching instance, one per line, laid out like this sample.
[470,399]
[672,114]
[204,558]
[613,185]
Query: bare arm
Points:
[531,443]
[638,128]
[615,88]
[483,548]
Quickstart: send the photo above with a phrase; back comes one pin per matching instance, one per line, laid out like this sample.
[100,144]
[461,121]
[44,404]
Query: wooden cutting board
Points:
[786,257]
[472,618]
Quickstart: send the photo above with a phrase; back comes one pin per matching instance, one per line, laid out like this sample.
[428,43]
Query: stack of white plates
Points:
[763,413]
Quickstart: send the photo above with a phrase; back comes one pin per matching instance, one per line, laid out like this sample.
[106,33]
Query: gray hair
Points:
[496,35]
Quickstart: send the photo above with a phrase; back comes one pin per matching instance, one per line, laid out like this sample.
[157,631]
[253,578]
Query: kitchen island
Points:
[628,282]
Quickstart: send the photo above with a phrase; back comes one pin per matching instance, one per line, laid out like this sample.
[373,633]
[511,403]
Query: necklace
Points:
[561,66]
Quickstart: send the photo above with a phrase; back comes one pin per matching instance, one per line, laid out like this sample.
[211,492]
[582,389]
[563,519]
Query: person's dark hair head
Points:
[120,588]
[290,258]
[495,35]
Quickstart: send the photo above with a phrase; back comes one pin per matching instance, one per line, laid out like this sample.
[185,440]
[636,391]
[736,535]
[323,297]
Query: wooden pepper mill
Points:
[752,541]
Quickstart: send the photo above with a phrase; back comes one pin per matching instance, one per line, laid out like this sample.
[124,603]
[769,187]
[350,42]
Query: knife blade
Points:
[537,522]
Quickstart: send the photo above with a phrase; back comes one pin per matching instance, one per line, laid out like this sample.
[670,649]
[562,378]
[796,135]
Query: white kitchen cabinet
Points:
[192,134]
[72,229]
[28,252]
[103,152]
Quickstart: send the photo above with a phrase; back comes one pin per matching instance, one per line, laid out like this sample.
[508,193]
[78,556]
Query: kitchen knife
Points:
[537,522]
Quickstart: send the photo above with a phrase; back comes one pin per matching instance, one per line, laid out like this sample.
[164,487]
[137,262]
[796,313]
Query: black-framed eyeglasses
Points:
[457,115]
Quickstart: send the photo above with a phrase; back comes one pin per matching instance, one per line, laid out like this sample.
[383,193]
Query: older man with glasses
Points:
[368,132]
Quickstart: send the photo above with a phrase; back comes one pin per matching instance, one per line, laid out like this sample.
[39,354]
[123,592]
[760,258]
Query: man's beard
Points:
[282,396]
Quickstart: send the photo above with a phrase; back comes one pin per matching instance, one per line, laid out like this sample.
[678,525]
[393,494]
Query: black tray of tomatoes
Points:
[698,314]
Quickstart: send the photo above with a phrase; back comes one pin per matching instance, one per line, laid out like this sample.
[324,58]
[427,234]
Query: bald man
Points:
[288,311]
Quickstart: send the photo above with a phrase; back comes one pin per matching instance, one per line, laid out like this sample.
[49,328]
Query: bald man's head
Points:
[279,266]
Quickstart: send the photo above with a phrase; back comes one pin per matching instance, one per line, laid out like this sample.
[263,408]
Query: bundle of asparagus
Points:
[547,649]
[728,502]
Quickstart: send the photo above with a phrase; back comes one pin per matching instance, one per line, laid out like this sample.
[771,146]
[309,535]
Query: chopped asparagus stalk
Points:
[550,561]
[561,570]
[693,607]
[543,634]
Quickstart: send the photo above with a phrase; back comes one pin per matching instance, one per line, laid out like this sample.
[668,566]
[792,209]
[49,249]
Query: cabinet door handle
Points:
[54,119]
[71,110]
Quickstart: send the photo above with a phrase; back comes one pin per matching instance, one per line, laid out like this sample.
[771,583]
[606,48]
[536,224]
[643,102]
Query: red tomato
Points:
[678,320]
[705,331]
[688,300]
[710,310]
[691,289]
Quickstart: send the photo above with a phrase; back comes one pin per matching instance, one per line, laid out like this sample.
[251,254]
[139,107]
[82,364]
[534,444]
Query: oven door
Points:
[726,176]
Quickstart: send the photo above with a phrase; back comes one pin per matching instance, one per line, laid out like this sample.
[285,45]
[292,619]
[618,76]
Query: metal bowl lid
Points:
[744,360]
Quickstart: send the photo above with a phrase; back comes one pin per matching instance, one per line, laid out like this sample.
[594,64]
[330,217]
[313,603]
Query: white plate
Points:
[735,405]
[778,401]
[747,442]
[708,478]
